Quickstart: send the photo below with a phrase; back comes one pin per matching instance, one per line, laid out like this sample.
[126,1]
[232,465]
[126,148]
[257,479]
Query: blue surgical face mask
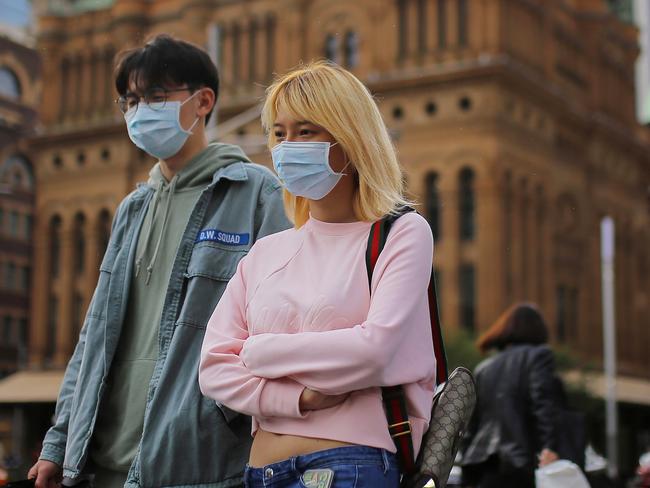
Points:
[156,127]
[304,168]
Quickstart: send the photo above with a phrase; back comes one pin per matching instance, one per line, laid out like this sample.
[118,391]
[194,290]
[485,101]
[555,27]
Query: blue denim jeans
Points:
[353,467]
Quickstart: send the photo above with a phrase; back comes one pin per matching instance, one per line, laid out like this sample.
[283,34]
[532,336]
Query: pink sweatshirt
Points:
[298,313]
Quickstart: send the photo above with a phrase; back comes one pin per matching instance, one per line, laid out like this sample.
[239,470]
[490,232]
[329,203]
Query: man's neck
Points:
[194,145]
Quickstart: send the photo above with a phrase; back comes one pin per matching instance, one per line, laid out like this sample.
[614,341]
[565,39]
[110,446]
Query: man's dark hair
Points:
[165,62]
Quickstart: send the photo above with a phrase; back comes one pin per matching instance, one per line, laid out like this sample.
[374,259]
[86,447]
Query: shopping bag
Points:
[560,474]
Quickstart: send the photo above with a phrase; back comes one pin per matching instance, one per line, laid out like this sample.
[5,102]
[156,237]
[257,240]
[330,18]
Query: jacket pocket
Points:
[208,272]
[97,307]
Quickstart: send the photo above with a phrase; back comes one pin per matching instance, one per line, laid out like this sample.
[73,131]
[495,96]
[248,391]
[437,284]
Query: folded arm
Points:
[224,377]
[365,355]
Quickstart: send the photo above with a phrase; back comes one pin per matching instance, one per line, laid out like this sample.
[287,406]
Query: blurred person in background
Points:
[130,412]
[513,429]
[299,340]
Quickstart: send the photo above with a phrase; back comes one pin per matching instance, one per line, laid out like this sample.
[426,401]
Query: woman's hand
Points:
[547,457]
[47,474]
[313,400]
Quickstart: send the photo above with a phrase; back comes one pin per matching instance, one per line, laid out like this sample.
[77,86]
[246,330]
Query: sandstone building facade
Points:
[514,121]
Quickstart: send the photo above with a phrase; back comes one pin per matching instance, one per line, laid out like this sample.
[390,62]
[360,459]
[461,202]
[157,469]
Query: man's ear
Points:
[207,99]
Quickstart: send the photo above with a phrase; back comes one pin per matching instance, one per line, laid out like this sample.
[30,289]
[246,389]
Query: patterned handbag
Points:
[453,405]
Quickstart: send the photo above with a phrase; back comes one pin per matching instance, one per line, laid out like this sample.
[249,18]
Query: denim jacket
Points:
[187,439]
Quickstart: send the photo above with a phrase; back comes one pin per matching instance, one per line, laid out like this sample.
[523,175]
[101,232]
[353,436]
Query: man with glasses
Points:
[130,412]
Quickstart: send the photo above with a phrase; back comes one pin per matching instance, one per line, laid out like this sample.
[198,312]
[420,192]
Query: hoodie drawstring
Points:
[147,235]
[172,189]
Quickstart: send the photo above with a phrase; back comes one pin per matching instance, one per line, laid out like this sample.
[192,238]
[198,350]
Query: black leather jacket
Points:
[516,408]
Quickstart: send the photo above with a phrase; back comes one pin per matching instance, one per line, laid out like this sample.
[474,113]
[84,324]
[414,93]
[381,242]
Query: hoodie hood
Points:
[201,168]
[194,177]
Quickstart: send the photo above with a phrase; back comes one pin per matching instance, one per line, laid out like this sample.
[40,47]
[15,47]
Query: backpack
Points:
[453,403]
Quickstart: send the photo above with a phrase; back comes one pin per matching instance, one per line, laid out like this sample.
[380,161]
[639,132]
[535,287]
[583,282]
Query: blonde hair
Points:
[329,96]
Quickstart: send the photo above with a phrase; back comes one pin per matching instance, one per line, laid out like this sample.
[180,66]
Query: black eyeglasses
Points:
[155,98]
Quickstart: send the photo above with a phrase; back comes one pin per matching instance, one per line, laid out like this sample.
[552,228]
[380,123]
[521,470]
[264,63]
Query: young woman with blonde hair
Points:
[300,341]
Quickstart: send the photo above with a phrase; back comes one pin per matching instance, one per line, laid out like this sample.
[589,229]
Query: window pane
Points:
[466,203]
[462,23]
[351,50]
[467,297]
[29,226]
[422,26]
[561,310]
[7,333]
[442,24]
[13,223]
[332,48]
[10,277]
[9,84]
[433,207]
[55,246]
[50,345]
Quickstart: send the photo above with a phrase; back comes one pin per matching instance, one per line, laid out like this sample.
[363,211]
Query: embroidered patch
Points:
[228,238]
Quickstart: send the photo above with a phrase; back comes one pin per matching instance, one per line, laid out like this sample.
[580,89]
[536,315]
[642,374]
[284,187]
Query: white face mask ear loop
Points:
[346,164]
[196,121]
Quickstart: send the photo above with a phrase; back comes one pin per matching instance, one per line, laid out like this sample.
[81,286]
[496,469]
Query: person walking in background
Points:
[299,341]
[513,429]
[130,411]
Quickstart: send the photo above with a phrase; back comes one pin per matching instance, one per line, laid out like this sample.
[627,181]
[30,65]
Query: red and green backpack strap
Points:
[394,398]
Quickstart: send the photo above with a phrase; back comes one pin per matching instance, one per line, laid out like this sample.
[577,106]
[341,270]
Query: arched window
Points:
[236,52]
[332,48]
[467,295]
[52,325]
[16,173]
[77,317]
[55,246]
[442,24]
[351,49]
[422,26]
[462,22]
[432,199]
[7,334]
[10,276]
[270,45]
[402,30]
[466,205]
[108,96]
[64,95]
[104,231]
[79,239]
[25,278]
[9,84]
[252,51]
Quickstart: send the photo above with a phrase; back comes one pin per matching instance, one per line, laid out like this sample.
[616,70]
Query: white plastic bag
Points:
[560,474]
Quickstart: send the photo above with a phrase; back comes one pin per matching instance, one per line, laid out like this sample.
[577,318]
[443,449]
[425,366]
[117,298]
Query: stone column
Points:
[525,242]
[539,211]
[40,291]
[412,22]
[533,245]
[92,257]
[244,41]
[490,263]
[448,188]
[100,80]
[518,292]
[64,332]
[108,92]
[86,88]
[269,46]
[226,62]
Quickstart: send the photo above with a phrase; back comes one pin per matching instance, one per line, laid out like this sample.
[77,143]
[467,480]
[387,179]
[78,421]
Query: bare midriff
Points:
[271,448]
